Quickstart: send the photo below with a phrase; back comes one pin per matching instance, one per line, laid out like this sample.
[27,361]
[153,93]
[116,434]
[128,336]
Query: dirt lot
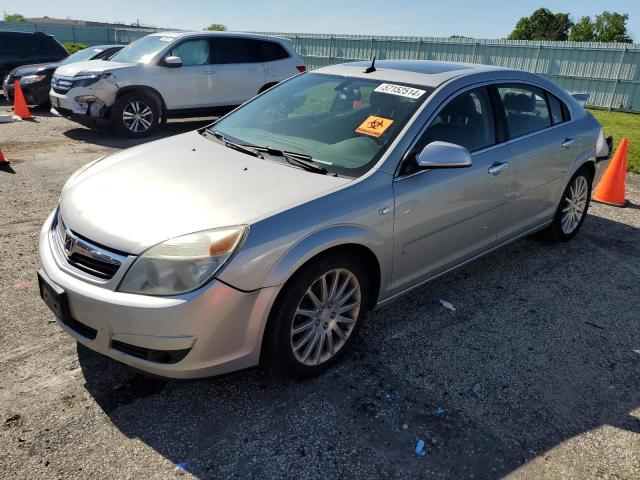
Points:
[536,375]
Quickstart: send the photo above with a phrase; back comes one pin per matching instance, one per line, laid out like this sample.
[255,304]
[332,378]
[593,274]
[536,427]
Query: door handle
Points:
[209,72]
[568,142]
[496,168]
[253,69]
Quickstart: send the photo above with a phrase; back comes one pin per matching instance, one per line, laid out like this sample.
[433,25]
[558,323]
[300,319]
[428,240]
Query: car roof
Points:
[13,32]
[180,34]
[427,73]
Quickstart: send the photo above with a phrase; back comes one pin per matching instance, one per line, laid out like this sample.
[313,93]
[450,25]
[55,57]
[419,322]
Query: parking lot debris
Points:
[447,305]
[420,450]
[8,118]
[405,426]
[440,410]
[19,103]
[477,389]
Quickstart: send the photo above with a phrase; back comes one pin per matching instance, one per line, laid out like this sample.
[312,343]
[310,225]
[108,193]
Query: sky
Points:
[427,18]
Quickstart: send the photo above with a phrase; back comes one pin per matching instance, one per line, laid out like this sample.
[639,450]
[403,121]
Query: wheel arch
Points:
[267,86]
[370,261]
[143,89]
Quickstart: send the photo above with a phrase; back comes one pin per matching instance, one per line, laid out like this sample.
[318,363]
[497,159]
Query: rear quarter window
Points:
[273,51]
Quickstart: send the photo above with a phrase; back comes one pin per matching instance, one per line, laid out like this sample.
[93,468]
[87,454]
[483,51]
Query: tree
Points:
[582,31]
[73,47]
[14,17]
[542,25]
[611,27]
[216,27]
[607,27]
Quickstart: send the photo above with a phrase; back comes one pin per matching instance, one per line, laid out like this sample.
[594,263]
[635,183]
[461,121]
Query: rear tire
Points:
[309,332]
[573,208]
[136,115]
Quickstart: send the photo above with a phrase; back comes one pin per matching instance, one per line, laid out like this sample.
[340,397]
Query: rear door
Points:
[541,149]
[241,73]
[445,216]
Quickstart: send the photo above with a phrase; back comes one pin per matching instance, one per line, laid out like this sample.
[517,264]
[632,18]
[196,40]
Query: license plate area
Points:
[55,298]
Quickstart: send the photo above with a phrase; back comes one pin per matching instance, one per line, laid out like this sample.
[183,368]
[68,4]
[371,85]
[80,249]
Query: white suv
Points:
[171,74]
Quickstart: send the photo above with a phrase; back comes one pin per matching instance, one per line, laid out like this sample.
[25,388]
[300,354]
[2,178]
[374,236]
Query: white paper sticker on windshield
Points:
[400,90]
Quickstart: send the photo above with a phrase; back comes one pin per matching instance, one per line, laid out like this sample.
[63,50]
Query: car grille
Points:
[87,256]
[61,84]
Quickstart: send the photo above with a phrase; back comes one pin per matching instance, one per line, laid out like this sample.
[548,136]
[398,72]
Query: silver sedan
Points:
[272,232]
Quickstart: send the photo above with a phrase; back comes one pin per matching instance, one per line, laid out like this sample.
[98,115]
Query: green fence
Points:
[81,34]
[608,72]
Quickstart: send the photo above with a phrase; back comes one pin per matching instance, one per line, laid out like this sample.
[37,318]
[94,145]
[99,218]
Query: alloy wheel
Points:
[137,116]
[575,202]
[325,317]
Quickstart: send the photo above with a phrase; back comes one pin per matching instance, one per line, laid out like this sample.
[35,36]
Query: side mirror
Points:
[443,155]
[172,62]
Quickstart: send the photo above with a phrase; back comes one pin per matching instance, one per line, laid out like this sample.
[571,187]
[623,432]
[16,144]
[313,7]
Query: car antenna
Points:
[372,67]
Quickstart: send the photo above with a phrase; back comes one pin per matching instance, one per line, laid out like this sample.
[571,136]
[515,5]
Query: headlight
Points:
[182,264]
[87,80]
[29,79]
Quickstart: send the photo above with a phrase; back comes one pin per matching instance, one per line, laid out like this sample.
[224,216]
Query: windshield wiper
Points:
[294,158]
[236,146]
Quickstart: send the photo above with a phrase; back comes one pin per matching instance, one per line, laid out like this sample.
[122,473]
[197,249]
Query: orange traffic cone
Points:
[19,103]
[611,187]
[2,159]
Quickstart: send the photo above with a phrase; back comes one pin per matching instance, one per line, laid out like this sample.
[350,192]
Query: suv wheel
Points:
[136,115]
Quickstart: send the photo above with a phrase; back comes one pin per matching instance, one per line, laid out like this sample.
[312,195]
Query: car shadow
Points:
[544,346]
[108,138]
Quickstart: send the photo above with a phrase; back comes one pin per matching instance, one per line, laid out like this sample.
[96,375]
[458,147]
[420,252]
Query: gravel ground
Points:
[535,375]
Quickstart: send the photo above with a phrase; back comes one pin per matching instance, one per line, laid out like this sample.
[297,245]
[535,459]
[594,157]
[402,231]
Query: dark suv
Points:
[22,48]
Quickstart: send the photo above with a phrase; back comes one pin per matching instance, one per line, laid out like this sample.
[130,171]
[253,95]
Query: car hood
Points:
[91,66]
[163,189]
[34,69]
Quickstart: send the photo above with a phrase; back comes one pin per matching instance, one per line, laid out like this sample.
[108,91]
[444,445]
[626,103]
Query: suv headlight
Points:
[87,80]
[29,79]
[182,264]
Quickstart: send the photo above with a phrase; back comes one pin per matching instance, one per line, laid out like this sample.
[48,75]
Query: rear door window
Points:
[237,50]
[525,108]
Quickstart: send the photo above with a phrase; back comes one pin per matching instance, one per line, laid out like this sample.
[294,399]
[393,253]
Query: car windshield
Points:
[81,55]
[143,50]
[344,124]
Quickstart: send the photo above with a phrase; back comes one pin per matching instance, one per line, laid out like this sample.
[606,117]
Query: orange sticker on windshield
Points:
[374,126]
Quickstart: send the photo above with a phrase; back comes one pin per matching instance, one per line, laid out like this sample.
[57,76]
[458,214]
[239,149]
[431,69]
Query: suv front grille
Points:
[61,84]
[85,255]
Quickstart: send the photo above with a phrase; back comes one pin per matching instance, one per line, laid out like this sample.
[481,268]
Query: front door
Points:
[192,85]
[445,216]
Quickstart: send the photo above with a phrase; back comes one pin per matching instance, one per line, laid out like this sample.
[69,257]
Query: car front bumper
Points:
[34,93]
[218,326]
[93,114]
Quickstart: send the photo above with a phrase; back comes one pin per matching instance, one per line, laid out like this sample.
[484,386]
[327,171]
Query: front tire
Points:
[573,208]
[136,115]
[317,315]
